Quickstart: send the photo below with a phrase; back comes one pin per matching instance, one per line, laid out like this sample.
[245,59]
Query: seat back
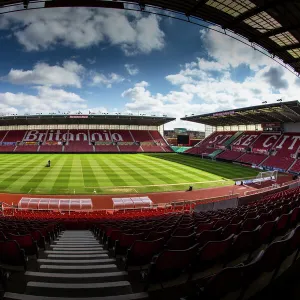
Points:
[245,242]
[11,254]
[126,240]
[181,242]
[173,261]
[273,256]
[295,216]
[154,235]
[231,229]
[266,232]
[249,224]
[204,226]
[226,281]
[183,231]
[207,236]
[214,251]
[141,252]
[282,223]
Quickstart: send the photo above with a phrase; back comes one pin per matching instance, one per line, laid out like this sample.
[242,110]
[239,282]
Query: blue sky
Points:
[106,60]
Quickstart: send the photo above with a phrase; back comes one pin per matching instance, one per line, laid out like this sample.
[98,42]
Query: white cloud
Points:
[85,27]
[196,89]
[131,69]
[108,81]
[230,52]
[69,74]
[47,100]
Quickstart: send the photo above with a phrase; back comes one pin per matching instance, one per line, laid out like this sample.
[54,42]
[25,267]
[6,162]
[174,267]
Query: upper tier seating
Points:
[213,142]
[14,136]
[285,151]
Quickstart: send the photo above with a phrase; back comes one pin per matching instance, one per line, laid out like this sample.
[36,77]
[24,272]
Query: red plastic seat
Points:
[12,256]
[181,242]
[221,223]
[26,242]
[125,242]
[227,281]
[204,226]
[282,224]
[231,229]
[181,231]
[212,252]
[39,238]
[249,224]
[295,216]
[244,243]
[170,264]
[266,232]
[141,252]
[154,235]
[207,236]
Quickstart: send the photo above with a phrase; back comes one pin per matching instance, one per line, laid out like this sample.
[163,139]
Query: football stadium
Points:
[102,206]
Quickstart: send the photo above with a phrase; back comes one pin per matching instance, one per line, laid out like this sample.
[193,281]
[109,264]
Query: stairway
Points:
[233,138]
[76,266]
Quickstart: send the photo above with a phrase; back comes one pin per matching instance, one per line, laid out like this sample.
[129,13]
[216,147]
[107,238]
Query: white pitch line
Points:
[138,186]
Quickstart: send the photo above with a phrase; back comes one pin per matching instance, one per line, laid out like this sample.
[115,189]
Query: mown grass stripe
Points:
[112,173]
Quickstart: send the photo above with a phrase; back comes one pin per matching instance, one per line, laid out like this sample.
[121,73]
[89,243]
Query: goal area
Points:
[266,176]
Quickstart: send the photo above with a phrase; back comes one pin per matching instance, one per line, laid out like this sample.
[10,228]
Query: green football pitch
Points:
[113,173]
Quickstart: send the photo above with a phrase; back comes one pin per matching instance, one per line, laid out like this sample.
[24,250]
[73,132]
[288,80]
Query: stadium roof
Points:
[271,24]
[84,119]
[282,112]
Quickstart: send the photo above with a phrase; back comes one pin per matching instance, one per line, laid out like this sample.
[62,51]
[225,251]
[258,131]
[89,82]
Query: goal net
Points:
[266,176]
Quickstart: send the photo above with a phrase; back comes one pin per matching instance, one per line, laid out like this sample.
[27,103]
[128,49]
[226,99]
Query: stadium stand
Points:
[273,145]
[76,141]
[215,141]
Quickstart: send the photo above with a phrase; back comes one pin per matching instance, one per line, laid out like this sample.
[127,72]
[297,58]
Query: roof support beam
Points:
[291,61]
[195,7]
[252,12]
[279,31]
[286,48]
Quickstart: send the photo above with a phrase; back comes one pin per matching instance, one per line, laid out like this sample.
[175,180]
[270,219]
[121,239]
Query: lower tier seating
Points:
[252,158]
[278,161]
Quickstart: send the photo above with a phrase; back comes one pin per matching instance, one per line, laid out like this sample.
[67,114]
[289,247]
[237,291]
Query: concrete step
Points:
[77,243]
[75,256]
[14,296]
[78,289]
[75,277]
[77,252]
[77,246]
[77,249]
[79,268]
[80,234]
[76,238]
[76,261]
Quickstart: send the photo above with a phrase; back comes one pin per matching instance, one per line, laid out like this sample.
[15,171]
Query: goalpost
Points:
[266,176]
